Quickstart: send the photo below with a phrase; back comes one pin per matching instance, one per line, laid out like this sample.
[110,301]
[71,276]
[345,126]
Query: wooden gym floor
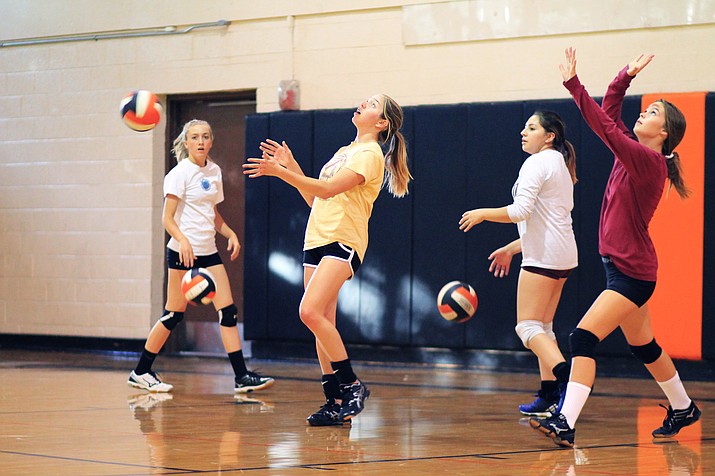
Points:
[74,414]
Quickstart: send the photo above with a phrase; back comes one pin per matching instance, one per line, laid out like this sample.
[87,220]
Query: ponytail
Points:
[675,127]
[569,154]
[552,122]
[675,175]
[398,174]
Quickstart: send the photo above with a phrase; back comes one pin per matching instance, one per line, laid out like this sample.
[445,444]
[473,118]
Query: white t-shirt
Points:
[199,190]
[543,200]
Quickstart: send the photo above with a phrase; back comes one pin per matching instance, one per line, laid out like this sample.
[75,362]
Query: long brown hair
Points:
[398,174]
[675,127]
[552,122]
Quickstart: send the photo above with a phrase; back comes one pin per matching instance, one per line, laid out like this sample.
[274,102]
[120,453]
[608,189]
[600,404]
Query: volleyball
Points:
[198,286]
[457,301]
[140,110]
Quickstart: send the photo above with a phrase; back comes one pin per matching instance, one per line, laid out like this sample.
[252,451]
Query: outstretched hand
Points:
[569,71]
[470,218]
[635,66]
[281,152]
[266,166]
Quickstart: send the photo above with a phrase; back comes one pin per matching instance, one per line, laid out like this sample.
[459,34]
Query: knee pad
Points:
[583,343]
[549,330]
[526,330]
[171,318]
[228,316]
[648,353]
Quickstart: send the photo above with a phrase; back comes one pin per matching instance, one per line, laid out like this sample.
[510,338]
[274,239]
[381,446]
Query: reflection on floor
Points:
[74,414]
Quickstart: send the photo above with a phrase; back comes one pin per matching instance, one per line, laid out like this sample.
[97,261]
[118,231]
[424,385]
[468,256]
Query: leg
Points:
[326,415]
[682,411]
[245,380]
[317,310]
[537,299]
[224,298]
[142,376]
[174,302]
[608,311]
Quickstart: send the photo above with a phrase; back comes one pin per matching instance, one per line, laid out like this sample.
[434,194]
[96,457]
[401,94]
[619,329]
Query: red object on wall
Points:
[289,95]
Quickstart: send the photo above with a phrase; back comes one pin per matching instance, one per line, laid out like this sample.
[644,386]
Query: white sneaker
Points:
[148,381]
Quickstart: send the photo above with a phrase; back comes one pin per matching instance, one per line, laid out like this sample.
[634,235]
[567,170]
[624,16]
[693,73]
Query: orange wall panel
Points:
[677,231]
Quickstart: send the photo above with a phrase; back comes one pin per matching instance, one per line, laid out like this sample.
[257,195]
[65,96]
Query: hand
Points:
[281,152]
[569,71]
[470,218]
[233,246]
[635,66]
[500,262]
[186,253]
[267,166]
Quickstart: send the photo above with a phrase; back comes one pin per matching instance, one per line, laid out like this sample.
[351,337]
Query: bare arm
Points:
[186,252]
[269,166]
[222,227]
[501,258]
[475,217]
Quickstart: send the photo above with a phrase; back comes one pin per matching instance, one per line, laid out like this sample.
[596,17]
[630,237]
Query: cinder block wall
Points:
[80,197]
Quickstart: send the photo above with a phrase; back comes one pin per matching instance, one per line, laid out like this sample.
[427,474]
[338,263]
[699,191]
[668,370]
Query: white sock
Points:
[675,392]
[576,396]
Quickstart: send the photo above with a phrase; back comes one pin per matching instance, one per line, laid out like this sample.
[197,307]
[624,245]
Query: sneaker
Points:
[675,420]
[353,398]
[555,427]
[149,381]
[327,415]
[544,405]
[251,382]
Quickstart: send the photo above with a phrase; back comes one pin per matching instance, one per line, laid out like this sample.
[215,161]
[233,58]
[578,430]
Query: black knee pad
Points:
[228,316]
[583,343]
[171,318]
[648,353]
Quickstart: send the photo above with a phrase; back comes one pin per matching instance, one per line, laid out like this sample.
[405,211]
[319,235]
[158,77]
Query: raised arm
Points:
[618,139]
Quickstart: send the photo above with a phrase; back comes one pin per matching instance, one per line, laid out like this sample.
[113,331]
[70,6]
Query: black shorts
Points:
[635,290]
[335,250]
[549,273]
[172,260]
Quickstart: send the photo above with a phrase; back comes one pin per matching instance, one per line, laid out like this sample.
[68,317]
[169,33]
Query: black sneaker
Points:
[327,415]
[251,382]
[556,428]
[675,420]
[353,397]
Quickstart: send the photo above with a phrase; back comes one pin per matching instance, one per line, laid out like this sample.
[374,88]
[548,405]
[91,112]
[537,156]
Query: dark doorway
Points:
[226,112]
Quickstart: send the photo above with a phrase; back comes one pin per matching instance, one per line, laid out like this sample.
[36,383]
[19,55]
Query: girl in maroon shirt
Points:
[643,161]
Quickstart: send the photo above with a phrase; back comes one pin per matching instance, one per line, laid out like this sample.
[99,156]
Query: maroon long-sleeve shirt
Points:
[634,187]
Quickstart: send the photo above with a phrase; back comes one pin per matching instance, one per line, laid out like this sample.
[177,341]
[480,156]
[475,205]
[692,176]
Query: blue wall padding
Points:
[708,331]
[462,156]
[440,170]
[255,243]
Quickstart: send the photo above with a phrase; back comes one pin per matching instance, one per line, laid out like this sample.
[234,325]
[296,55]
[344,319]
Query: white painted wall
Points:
[81,242]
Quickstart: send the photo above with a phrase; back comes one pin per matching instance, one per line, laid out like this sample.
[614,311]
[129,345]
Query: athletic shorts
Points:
[549,273]
[335,250]
[635,290]
[172,260]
